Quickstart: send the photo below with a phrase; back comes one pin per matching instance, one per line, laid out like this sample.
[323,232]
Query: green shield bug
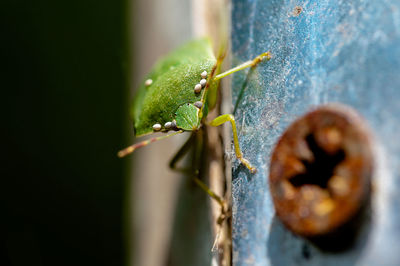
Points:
[178,93]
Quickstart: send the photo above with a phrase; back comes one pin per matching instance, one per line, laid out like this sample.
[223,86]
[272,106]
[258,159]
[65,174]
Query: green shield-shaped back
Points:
[174,78]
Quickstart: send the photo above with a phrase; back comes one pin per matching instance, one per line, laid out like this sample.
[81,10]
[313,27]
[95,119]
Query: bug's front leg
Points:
[229,118]
[251,63]
[180,154]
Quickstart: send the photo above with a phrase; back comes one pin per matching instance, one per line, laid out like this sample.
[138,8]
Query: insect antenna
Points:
[132,148]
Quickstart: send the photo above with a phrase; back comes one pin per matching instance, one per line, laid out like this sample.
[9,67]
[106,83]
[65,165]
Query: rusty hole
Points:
[319,171]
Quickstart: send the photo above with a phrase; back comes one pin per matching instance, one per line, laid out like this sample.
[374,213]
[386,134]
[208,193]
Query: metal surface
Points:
[324,51]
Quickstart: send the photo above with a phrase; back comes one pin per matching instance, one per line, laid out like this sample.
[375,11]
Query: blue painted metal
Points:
[333,51]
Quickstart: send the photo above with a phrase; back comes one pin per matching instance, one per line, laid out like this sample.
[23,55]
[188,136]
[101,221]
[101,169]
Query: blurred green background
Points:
[64,98]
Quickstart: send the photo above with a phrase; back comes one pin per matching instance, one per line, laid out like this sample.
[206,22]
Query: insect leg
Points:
[211,193]
[250,63]
[179,155]
[229,118]
[195,141]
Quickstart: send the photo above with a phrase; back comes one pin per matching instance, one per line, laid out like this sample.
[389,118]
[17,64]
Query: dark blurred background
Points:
[68,73]
[64,98]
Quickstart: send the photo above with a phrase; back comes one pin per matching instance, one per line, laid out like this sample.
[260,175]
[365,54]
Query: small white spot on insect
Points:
[173,124]
[204,75]
[203,82]
[197,88]
[157,127]
[168,125]
[148,82]
[198,104]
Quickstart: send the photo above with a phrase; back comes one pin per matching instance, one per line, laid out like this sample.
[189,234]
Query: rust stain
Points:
[296,11]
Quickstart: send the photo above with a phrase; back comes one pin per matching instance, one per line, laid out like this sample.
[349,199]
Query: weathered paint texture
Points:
[323,51]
